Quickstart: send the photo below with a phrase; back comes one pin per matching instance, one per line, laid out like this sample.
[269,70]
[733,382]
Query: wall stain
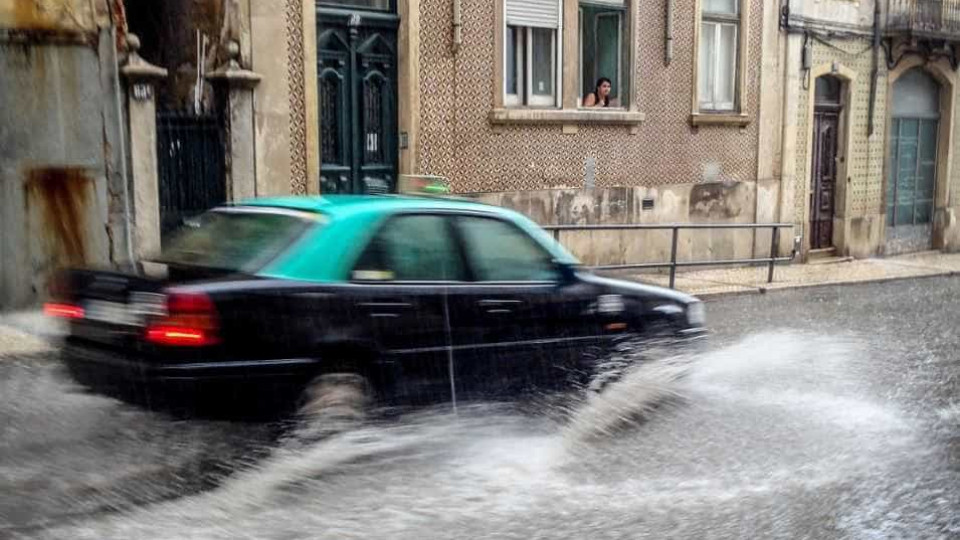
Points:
[715,200]
[62,196]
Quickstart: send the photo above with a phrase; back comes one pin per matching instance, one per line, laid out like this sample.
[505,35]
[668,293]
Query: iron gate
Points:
[191,166]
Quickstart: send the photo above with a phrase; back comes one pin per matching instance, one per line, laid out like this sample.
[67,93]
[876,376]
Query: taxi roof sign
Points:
[423,184]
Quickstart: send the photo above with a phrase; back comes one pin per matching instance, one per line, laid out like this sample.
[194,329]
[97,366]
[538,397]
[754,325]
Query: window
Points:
[719,55]
[234,240]
[411,248]
[914,140]
[603,48]
[531,52]
[499,251]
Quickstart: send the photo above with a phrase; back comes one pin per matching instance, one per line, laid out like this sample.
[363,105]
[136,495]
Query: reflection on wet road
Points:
[836,417]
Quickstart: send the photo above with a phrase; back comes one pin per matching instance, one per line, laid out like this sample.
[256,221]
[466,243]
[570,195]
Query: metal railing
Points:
[771,261]
[935,17]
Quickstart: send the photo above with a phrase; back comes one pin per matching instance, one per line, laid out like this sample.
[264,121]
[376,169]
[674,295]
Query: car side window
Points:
[501,251]
[411,248]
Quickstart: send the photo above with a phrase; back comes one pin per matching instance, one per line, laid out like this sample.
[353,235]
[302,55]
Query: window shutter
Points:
[536,13]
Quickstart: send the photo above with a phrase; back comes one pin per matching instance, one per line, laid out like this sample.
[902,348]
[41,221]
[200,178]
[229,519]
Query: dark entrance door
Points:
[357,57]
[826,127]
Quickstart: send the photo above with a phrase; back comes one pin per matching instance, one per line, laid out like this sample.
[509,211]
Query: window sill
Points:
[719,119]
[565,116]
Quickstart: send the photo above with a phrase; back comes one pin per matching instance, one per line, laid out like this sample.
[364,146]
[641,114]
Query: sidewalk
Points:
[26,332]
[754,279]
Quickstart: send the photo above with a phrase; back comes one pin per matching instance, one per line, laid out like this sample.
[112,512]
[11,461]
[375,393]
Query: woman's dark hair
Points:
[596,90]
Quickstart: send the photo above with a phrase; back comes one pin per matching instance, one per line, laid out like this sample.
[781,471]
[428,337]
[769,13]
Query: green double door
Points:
[912,165]
[357,82]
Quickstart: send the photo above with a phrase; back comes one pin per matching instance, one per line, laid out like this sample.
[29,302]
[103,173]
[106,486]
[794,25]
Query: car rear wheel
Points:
[333,400]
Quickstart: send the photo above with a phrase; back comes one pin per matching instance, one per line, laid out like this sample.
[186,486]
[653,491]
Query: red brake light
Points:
[177,336]
[191,321]
[62,311]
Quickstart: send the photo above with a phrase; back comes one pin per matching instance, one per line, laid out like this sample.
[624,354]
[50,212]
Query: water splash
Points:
[772,436]
[626,402]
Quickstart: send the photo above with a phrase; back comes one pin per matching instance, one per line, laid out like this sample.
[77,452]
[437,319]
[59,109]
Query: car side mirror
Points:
[566,271]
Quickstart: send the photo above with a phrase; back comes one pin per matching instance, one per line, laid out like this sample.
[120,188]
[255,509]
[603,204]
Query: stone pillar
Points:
[237,84]
[141,76]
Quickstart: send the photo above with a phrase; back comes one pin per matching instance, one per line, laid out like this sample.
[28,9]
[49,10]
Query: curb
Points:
[765,290]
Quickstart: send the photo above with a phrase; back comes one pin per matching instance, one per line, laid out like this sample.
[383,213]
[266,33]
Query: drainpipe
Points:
[785,171]
[668,34]
[876,68]
[457,26]
[127,221]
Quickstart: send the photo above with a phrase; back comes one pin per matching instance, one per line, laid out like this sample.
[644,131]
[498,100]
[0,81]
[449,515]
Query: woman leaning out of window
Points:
[600,97]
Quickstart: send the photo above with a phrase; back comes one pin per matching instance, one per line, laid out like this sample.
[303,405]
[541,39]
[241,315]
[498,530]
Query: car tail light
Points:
[190,321]
[60,305]
[62,310]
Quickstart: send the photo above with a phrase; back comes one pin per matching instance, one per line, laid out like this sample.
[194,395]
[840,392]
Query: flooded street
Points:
[813,413]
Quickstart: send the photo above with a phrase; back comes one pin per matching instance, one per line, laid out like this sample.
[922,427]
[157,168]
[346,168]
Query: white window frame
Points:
[524,74]
[536,100]
[514,100]
[566,110]
[708,112]
[580,55]
[718,65]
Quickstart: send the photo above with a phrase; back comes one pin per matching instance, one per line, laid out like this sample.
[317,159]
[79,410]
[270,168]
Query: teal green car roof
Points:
[341,205]
[328,251]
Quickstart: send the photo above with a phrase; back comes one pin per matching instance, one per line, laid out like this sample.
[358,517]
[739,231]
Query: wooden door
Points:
[357,67]
[828,106]
[826,125]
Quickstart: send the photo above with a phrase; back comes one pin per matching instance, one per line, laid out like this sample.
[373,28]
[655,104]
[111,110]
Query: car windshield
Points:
[234,239]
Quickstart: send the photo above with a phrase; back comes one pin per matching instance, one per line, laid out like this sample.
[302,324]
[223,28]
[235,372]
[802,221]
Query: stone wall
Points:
[60,187]
[283,51]
[682,203]
[61,16]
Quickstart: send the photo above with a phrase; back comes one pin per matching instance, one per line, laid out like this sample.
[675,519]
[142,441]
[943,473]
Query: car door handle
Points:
[498,306]
[386,309]
[498,302]
[391,305]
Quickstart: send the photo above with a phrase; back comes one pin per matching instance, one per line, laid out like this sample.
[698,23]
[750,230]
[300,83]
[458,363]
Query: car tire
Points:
[333,399]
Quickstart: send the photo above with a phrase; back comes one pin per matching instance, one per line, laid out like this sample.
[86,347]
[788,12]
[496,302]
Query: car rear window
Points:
[234,240]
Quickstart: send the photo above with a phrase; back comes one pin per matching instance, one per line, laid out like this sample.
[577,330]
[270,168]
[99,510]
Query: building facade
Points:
[124,116]
[868,137]
[491,96]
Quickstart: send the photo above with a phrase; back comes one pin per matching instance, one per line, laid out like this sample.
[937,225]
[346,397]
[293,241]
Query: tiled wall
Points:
[457,94]
[865,158]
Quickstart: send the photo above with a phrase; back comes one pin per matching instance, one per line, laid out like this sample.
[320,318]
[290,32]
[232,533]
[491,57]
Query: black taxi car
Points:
[420,297]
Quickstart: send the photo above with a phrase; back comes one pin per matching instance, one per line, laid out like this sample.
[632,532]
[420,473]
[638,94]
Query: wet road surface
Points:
[831,412]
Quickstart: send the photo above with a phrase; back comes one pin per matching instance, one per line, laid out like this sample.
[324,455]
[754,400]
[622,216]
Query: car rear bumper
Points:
[112,373]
